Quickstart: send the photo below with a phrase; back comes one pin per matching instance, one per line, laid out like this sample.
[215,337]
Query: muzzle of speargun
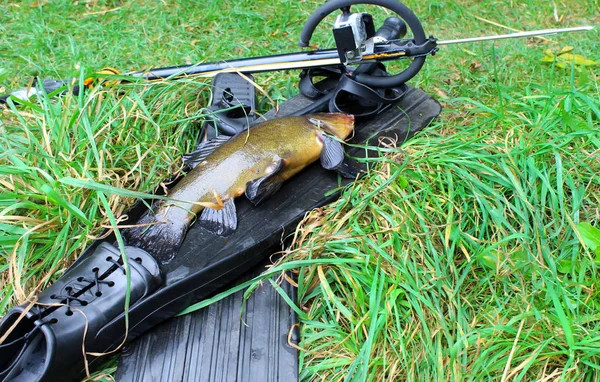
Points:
[56,87]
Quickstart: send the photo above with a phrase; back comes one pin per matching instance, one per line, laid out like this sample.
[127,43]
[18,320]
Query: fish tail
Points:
[159,237]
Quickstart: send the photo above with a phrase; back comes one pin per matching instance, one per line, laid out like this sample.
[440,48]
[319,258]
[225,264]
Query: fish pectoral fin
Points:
[222,222]
[258,190]
[332,154]
[334,158]
[203,150]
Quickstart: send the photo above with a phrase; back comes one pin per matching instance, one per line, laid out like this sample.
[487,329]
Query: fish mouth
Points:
[339,124]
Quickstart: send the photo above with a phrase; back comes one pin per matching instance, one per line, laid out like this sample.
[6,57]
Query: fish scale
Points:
[255,163]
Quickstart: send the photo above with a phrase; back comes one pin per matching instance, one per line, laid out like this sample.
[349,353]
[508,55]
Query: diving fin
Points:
[203,150]
[333,158]
[204,263]
[260,189]
[221,222]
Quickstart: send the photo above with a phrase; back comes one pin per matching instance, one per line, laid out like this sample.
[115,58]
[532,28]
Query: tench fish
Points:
[254,164]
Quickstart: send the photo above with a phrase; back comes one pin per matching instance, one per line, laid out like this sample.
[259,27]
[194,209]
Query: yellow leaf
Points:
[566,57]
[548,59]
[577,59]
[548,52]
[580,60]
[566,49]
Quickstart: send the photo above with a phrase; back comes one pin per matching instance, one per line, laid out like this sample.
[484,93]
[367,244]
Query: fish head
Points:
[339,124]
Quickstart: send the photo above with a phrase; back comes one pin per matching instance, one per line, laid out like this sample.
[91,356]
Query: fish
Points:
[253,163]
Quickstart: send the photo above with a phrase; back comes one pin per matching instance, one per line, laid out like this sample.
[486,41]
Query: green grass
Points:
[461,257]
[472,267]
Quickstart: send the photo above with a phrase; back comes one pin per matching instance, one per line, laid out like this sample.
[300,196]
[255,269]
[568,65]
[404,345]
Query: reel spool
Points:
[359,28]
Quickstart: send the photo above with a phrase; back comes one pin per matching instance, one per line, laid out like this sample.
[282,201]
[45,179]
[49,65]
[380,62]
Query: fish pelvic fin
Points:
[159,237]
[221,222]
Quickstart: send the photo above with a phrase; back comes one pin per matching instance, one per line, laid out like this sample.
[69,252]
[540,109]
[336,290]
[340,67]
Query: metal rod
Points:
[303,60]
[288,61]
[299,60]
[540,32]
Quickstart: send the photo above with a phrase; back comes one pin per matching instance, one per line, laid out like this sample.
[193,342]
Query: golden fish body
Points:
[285,146]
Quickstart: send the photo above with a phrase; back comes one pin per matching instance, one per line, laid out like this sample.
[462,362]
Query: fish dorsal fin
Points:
[260,189]
[204,149]
[221,222]
[334,158]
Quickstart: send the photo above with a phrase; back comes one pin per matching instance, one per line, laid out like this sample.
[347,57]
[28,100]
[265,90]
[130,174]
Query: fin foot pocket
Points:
[48,336]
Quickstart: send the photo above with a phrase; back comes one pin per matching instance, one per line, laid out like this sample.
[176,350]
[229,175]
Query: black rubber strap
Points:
[371,100]
[309,89]
[349,95]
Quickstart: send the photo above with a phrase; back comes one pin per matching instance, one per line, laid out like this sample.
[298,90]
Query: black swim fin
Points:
[203,264]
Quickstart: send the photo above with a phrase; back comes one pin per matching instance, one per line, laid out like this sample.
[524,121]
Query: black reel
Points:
[366,89]
[401,10]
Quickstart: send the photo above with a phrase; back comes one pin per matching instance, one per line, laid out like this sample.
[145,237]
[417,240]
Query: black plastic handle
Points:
[393,5]
[393,28]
